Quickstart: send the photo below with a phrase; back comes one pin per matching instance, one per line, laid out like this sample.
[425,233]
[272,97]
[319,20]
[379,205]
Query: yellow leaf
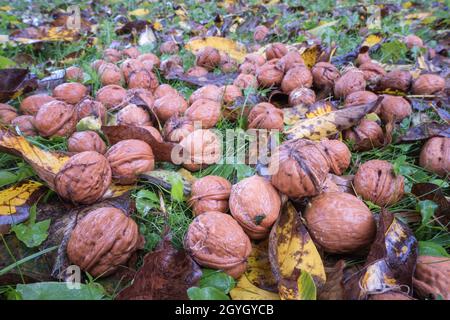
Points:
[139,12]
[259,271]
[6,8]
[310,55]
[292,250]
[60,34]
[245,290]
[407,5]
[301,289]
[236,50]
[16,196]
[372,40]
[116,190]
[158,26]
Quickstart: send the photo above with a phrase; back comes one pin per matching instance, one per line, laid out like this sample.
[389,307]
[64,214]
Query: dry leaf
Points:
[245,290]
[259,271]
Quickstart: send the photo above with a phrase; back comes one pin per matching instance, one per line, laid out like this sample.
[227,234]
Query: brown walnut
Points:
[7,113]
[197,72]
[30,105]
[154,132]
[338,155]
[132,115]
[244,81]
[151,58]
[177,128]
[164,90]
[129,66]
[289,60]
[230,93]
[205,111]
[112,55]
[303,96]
[97,64]
[143,79]
[413,41]
[435,155]
[351,81]
[365,136]
[169,47]
[56,118]
[208,58]
[109,73]
[172,64]
[74,74]
[255,58]
[394,108]
[372,72]
[247,68]
[396,80]
[169,105]
[432,277]
[260,33]
[298,76]
[276,51]
[25,124]
[428,84]
[359,97]
[269,74]
[131,52]
[200,148]
[71,92]
[265,115]
[111,96]
[209,193]
[89,107]
[86,141]
[210,91]
[324,74]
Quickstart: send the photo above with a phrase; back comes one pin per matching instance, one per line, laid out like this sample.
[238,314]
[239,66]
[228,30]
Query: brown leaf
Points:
[333,289]
[14,82]
[209,78]
[425,131]
[166,274]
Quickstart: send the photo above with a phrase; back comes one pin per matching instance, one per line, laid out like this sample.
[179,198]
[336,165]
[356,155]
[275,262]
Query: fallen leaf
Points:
[209,78]
[432,192]
[310,55]
[236,50]
[135,26]
[245,290]
[167,273]
[301,112]
[140,12]
[372,40]
[60,291]
[15,82]
[259,270]
[302,289]
[333,289]
[425,131]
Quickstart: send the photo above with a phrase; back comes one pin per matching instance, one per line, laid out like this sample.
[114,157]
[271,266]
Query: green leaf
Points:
[6,178]
[243,171]
[176,192]
[398,164]
[429,248]
[60,291]
[217,279]
[208,293]
[145,201]
[30,232]
[306,287]
[6,63]
[426,209]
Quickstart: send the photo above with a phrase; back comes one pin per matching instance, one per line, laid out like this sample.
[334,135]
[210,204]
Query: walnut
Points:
[131,52]
[215,240]
[431,278]
[97,64]
[244,81]
[30,105]
[207,112]
[112,55]
[390,295]
[164,90]
[103,240]
[141,97]
[399,80]
[435,156]
[276,51]
[25,124]
[363,57]
[300,168]
[200,149]
[230,93]
[413,41]
[71,92]
[129,66]
[143,79]
[154,132]
[208,58]
[84,178]
[130,158]
[269,74]
[394,108]
[260,33]
[173,64]
[56,118]
[86,141]
[289,60]
[303,96]
[340,223]
[376,181]
[7,113]
[428,84]
[89,107]
[228,67]
[247,68]
[351,81]
[197,72]
[169,47]
[209,193]
[359,97]
[210,91]
[109,73]
[255,59]
[365,136]
[255,204]
[372,72]
[74,74]
[177,128]
[298,76]
[265,115]
[151,58]
[111,96]
[338,155]
[132,115]
[169,105]
[324,74]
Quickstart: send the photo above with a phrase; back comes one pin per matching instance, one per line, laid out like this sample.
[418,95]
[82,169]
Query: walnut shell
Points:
[210,91]
[74,74]
[112,55]
[177,128]
[164,90]
[376,181]
[255,204]
[432,277]
[86,141]
[209,193]
[84,178]
[340,223]
[143,79]
[97,64]
[89,107]
[130,158]
[338,155]
[142,97]
[25,124]
[394,108]
[103,240]
[298,76]
[324,74]
[435,155]
[413,41]
[230,93]
[197,72]
[200,149]
[289,60]
[303,96]
[359,97]
[300,168]
[169,47]
[56,118]
[265,115]
[173,64]
[131,52]
[396,80]
[169,105]
[269,74]
[365,136]
[247,68]
[152,58]
[351,81]
[154,132]
[7,113]
[129,66]
[372,72]
[390,295]
[111,96]
[132,115]
[260,33]
[244,81]
[109,73]
[205,111]
[208,58]
[215,240]
[276,51]
[428,84]
[363,57]
[71,92]
[30,105]
[255,58]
